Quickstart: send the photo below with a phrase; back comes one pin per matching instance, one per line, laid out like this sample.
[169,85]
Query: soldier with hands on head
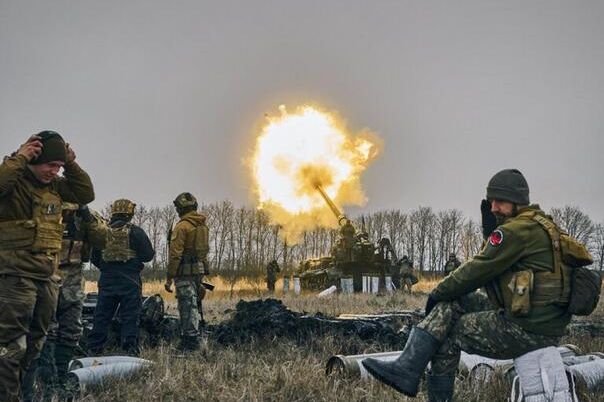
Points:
[127,247]
[521,249]
[189,247]
[31,231]
[83,229]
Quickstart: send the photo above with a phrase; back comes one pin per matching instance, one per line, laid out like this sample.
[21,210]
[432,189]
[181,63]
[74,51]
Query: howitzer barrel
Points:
[330,204]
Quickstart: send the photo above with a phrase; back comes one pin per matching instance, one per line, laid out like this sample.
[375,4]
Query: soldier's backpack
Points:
[585,284]
[117,247]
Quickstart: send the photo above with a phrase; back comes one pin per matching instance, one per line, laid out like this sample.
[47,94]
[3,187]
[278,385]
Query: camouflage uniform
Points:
[272,269]
[29,212]
[189,246]
[65,328]
[408,278]
[517,245]
[520,268]
[452,264]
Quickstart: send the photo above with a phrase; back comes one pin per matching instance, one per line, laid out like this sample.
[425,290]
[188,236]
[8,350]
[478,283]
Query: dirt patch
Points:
[268,319]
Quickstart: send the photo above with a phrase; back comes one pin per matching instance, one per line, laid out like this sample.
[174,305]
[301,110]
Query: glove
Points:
[168,285]
[489,221]
[430,303]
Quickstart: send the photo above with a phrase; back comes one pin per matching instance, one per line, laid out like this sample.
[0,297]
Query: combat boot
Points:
[63,355]
[46,370]
[405,373]
[131,349]
[28,380]
[440,387]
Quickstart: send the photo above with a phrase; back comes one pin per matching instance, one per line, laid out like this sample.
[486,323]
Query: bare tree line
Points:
[243,241]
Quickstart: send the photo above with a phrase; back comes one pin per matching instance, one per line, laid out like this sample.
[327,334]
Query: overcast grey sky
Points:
[159,97]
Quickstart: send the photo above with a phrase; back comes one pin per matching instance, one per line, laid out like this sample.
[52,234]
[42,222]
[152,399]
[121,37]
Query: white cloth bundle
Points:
[542,378]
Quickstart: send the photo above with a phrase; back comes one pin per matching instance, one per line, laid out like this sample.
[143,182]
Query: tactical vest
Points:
[40,234]
[518,291]
[117,247]
[193,255]
[71,252]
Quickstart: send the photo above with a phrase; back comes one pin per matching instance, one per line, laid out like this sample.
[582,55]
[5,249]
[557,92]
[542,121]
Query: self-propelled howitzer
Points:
[352,256]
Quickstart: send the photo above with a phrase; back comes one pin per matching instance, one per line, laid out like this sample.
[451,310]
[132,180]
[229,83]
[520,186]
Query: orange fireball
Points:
[297,151]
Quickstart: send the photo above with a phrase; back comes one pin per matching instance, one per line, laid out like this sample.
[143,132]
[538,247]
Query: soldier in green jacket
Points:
[83,229]
[31,232]
[189,247]
[523,278]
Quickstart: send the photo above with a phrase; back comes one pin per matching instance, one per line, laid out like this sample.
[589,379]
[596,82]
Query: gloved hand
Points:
[168,285]
[489,221]
[430,303]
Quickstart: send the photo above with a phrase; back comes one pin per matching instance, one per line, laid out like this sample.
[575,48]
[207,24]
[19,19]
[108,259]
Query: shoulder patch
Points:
[496,238]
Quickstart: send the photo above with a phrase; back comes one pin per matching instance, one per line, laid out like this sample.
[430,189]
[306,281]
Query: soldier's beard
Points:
[500,218]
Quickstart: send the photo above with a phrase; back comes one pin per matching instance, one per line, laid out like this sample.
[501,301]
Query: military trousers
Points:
[189,304]
[465,325]
[66,326]
[115,293]
[27,309]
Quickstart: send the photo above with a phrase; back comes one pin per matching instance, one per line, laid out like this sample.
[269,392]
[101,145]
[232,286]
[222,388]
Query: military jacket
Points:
[78,239]
[20,193]
[184,258]
[119,270]
[517,245]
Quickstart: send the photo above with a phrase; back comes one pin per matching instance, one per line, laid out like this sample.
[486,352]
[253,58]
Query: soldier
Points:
[408,278]
[272,269]
[31,193]
[189,247]
[517,252]
[81,230]
[127,248]
[452,264]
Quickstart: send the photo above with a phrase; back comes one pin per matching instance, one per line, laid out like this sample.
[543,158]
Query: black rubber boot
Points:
[440,388]
[405,373]
[28,380]
[46,371]
[63,355]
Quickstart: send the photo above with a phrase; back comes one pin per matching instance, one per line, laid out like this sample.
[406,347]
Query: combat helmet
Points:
[122,207]
[509,185]
[185,201]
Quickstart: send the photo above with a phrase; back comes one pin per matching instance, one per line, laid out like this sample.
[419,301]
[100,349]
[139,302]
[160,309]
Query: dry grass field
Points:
[277,369]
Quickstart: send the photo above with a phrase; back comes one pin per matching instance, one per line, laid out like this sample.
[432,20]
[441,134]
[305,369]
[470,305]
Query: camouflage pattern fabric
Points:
[187,289]
[27,307]
[66,327]
[465,325]
[408,278]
